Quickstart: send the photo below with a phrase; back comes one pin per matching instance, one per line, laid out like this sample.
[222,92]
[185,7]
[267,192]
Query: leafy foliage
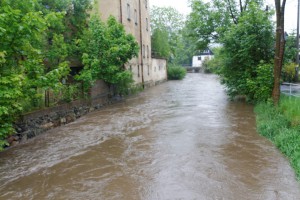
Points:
[39,39]
[290,49]
[207,22]
[176,72]
[215,64]
[105,49]
[159,43]
[260,86]
[246,45]
[21,66]
[169,39]
[289,72]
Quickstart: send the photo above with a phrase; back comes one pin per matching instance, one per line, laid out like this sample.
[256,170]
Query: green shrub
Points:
[289,72]
[176,72]
[260,86]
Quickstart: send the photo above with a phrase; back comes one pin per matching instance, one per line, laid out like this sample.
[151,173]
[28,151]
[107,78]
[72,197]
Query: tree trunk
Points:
[279,49]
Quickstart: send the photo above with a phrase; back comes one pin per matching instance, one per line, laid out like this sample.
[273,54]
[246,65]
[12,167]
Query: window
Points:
[135,17]
[143,51]
[147,51]
[128,12]
[130,68]
[147,24]
[199,57]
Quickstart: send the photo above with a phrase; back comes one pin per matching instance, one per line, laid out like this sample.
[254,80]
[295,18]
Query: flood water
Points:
[179,140]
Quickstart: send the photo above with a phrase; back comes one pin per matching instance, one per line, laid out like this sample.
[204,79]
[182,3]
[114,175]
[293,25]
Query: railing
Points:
[290,89]
[48,98]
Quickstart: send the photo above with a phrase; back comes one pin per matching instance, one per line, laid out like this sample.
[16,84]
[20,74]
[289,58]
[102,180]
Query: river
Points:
[179,140]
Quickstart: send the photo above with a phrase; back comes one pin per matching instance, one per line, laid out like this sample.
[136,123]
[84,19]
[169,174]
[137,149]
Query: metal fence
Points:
[290,89]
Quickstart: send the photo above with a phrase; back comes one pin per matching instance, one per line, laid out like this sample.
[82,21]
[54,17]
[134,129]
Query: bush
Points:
[206,66]
[260,86]
[176,72]
[289,72]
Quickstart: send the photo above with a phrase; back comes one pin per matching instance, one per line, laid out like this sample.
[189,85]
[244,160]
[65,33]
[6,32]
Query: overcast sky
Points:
[182,7]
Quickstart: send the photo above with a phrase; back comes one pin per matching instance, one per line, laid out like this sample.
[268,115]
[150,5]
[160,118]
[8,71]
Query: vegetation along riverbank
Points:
[281,125]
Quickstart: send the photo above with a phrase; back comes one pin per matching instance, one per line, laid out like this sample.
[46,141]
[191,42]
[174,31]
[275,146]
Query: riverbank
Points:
[282,126]
[39,121]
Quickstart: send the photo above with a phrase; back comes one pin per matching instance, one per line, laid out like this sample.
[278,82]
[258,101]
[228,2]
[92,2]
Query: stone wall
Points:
[37,122]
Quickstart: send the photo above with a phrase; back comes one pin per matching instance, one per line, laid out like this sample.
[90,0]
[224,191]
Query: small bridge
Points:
[191,69]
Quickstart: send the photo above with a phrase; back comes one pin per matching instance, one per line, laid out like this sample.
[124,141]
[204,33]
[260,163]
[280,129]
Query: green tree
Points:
[167,25]
[185,49]
[22,71]
[208,21]
[159,43]
[290,49]
[245,46]
[105,49]
[215,64]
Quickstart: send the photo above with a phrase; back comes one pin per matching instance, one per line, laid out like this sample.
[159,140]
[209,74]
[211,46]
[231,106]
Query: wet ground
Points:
[179,140]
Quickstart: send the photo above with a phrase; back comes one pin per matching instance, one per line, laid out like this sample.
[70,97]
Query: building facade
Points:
[135,16]
[201,57]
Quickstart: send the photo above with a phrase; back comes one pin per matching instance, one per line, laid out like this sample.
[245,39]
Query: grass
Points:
[282,126]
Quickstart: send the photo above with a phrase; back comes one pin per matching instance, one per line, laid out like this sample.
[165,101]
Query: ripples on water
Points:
[179,140]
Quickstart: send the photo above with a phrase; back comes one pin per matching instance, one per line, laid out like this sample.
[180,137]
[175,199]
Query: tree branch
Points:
[241,6]
[231,12]
[246,4]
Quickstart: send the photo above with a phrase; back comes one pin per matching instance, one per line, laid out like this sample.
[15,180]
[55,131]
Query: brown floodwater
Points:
[179,140]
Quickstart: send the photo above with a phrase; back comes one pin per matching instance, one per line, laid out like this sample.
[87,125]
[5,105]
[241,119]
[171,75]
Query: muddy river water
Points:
[179,140]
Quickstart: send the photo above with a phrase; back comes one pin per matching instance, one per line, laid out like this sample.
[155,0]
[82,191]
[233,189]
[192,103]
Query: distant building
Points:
[201,56]
[135,16]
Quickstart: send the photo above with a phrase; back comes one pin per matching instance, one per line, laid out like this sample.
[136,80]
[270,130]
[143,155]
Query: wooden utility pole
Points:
[279,49]
[297,44]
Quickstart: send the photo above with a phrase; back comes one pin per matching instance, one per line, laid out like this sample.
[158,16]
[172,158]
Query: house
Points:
[135,16]
[201,57]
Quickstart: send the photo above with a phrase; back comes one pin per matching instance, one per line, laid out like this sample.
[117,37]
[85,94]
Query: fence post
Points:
[47,100]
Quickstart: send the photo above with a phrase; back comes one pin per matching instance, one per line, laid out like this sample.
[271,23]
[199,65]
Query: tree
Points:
[208,22]
[159,43]
[246,46]
[166,24]
[39,38]
[290,49]
[279,49]
[22,71]
[105,49]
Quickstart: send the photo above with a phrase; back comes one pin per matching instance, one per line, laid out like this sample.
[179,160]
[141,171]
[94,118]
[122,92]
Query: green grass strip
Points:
[282,126]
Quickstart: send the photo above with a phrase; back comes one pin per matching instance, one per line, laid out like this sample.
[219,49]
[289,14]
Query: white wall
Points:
[198,60]
[159,70]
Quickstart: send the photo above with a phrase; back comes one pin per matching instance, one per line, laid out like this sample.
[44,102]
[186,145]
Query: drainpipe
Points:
[297,44]
[141,42]
[121,12]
